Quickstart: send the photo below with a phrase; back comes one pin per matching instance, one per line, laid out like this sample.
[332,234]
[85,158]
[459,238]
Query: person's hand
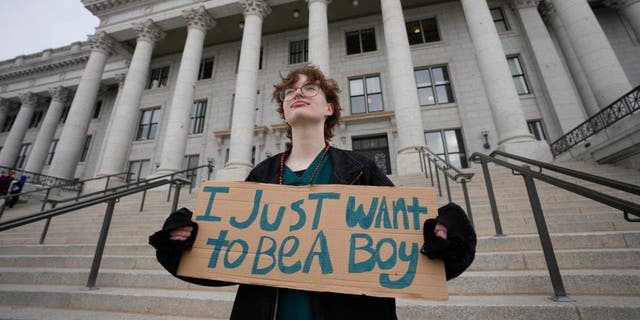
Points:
[440,231]
[182,233]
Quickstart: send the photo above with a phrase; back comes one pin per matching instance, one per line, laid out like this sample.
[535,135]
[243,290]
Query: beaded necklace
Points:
[283,157]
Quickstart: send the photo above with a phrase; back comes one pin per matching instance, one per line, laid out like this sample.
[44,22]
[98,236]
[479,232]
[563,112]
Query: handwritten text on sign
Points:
[348,239]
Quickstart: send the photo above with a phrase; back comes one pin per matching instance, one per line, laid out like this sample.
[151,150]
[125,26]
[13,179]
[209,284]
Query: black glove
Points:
[458,250]
[161,240]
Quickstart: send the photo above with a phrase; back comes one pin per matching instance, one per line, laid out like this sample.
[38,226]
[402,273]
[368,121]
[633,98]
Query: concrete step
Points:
[218,304]
[26,313]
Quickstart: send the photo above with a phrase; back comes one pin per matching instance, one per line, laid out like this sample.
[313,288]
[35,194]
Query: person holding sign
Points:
[309,104]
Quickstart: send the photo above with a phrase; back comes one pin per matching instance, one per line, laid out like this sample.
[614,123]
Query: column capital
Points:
[28,99]
[120,77]
[521,4]
[546,9]
[7,105]
[255,7]
[619,4]
[198,18]
[60,94]
[101,41]
[326,2]
[148,31]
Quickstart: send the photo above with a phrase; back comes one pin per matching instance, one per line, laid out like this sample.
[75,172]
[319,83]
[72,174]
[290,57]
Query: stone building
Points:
[163,85]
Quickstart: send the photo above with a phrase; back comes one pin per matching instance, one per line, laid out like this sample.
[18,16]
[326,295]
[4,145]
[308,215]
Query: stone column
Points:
[319,34]
[241,139]
[175,139]
[508,117]
[599,62]
[630,10]
[579,78]
[74,132]
[5,107]
[38,156]
[125,113]
[565,104]
[12,144]
[403,86]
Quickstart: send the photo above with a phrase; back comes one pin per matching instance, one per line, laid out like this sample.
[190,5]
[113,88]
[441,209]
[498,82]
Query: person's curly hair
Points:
[328,86]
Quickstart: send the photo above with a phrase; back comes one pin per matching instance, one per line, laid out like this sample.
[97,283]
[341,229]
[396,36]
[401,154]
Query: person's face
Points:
[302,107]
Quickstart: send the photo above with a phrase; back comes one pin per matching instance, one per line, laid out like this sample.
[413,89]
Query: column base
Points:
[235,172]
[408,162]
[533,149]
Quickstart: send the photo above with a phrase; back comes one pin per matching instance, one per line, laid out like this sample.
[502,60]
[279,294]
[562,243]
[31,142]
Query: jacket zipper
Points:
[356,179]
[275,312]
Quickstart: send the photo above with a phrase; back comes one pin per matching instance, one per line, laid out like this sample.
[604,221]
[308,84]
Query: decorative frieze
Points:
[619,4]
[198,18]
[255,7]
[60,94]
[28,99]
[101,41]
[148,31]
[520,4]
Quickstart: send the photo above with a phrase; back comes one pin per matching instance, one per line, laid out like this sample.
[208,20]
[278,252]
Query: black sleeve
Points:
[459,250]
[169,252]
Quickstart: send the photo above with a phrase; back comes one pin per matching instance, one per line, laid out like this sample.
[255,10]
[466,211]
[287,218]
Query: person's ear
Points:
[329,110]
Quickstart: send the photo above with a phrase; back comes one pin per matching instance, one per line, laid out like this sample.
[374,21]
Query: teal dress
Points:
[294,304]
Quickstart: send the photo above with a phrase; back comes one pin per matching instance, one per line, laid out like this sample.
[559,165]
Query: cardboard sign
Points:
[345,239]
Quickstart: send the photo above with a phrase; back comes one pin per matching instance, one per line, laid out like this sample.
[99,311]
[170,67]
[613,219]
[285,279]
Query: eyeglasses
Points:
[308,90]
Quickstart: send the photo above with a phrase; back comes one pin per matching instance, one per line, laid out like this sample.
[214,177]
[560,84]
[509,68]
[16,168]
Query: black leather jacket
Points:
[259,302]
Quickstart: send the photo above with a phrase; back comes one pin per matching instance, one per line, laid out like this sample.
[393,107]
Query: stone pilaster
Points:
[630,10]
[598,60]
[319,35]
[566,107]
[175,140]
[125,114]
[241,139]
[12,144]
[59,98]
[403,86]
[71,141]
[506,109]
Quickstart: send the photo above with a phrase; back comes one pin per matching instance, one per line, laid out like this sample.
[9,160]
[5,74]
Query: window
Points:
[361,41]
[8,123]
[499,20]
[22,155]
[198,112]
[85,148]
[138,170]
[259,61]
[449,144]
[96,109]
[375,148]
[298,51]
[190,162]
[158,77]
[206,69]
[366,94]
[52,151]
[36,118]
[148,124]
[518,75]
[65,113]
[434,86]
[537,129]
[423,31]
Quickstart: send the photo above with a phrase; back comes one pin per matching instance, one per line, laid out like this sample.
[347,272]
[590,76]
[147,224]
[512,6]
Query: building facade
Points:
[165,85]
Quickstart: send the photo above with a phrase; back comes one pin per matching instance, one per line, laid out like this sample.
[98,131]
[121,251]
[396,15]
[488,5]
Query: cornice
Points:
[198,18]
[43,67]
[255,7]
[99,7]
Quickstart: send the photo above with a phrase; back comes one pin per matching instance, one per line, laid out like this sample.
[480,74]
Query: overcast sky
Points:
[29,26]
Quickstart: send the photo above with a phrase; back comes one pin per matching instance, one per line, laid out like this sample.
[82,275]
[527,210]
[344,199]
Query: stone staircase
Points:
[597,250]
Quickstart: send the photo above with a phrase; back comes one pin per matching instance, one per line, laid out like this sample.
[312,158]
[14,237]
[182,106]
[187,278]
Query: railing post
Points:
[545,240]
[176,198]
[144,196]
[446,184]
[106,186]
[102,240]
[435,165]
[466,200]
[43,235]
[420,157]
[492,198]
[46,198]
[3,206]
[169,191]
[430,171]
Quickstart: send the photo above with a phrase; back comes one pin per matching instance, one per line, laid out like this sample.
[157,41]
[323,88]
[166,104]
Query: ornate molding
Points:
[521,4]
[546,10]
[255,7]
[101,41]
[60,94]
[28,99]
[120,77]
[199,18]
[619,4]
[44,67]
[99,6]
[148,31]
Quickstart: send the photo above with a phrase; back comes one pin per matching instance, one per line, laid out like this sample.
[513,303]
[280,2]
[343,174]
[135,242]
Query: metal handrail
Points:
[618,110]
[623,186]
[529,175]
[39,177]
[445,167]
